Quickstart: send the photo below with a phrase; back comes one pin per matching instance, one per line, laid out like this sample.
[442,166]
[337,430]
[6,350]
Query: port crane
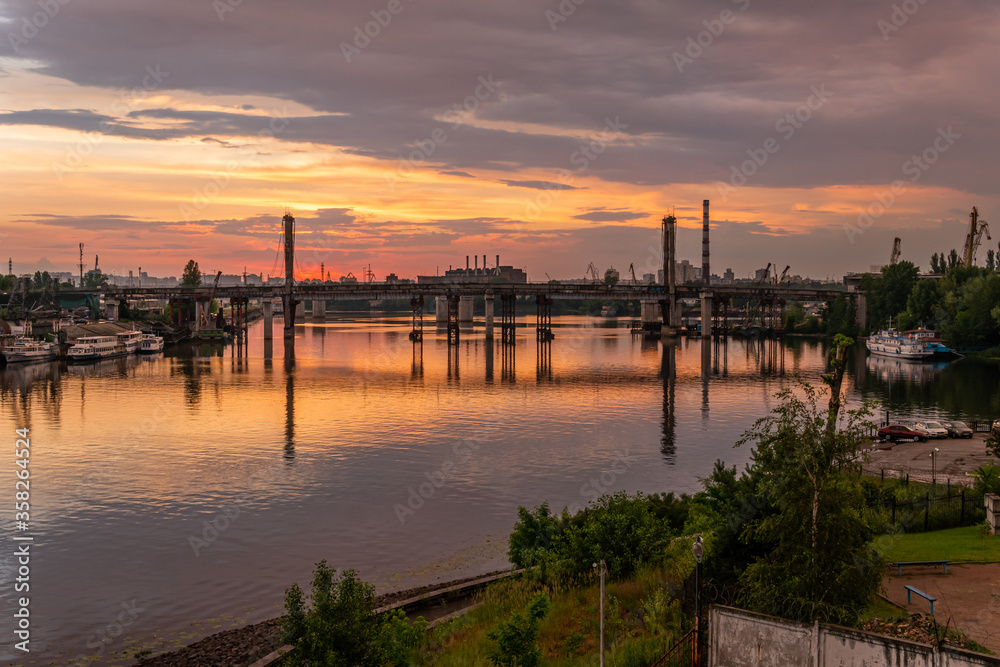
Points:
[894,257]
[977,228]
[205,321]
[631,270]
[592,271]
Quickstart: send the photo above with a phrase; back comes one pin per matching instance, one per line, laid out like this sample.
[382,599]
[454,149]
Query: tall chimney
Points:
[498,262]
[484,265]
[706,274]
[466,262]
[477,263]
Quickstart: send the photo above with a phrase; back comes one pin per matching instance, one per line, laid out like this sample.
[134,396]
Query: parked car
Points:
[934,429]
[958,429]
[899,432]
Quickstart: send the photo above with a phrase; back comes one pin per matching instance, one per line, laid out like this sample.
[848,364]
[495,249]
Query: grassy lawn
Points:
[956,544]
[882,608]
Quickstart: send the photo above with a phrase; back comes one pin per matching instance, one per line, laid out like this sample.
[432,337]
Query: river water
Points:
[178,495]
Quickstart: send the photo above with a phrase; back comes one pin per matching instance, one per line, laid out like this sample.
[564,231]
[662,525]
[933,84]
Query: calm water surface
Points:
[404,462]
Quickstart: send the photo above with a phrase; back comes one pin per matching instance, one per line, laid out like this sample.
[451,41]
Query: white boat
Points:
[132,340]
[151,343]
[91,348]
[25,350]
[891,343]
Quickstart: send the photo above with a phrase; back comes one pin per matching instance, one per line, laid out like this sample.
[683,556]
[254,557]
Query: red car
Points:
[900,433]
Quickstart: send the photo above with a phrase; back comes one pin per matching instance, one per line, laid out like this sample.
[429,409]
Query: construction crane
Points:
[784,273]
[211,295]
[767,272]
[631,270]
[894,257]
[369,277]
[977,228]
[592,270]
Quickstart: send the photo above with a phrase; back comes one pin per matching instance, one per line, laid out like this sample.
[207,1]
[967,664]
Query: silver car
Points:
[933,429]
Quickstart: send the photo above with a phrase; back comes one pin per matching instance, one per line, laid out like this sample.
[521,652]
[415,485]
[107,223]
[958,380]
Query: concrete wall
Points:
[739,638]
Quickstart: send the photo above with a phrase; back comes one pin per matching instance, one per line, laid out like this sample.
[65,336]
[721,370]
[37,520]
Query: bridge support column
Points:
[706,314]
[319,309]
[111,310]
[441,310]
[508,316]
[268,309]
[417,307]
[489,317]
[454,311]
[465,312]
[543,323]
[650,316]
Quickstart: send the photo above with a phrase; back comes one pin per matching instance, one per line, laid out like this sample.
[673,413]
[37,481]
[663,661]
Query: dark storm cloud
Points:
[604,215]
[71,119]
[539,185]
[693,111]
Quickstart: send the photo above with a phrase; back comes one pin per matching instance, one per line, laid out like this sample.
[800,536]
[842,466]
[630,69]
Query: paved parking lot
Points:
[956,458]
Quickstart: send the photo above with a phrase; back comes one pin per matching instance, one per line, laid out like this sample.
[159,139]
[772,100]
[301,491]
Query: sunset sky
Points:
[551,133]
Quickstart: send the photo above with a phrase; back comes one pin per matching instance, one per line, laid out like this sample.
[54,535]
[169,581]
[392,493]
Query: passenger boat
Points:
[132,340]
[891,343]
[91,348]
[25,350]
[151,343]
[933,341]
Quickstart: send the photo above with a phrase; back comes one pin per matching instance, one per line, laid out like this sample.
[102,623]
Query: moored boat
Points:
[151,343]
[91,348]
[933,340]
[891,343]
[132,340]
[25,350]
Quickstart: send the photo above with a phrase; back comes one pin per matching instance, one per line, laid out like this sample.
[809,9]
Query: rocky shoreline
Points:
[240,647]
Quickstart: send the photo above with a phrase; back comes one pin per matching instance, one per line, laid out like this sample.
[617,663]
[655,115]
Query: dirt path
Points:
[968,597]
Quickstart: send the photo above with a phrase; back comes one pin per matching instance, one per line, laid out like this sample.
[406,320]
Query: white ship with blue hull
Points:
[25,350]
[891,343]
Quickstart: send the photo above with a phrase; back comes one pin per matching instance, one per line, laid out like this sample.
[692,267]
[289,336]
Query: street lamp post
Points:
[934,467]
[603,571]
[699,551]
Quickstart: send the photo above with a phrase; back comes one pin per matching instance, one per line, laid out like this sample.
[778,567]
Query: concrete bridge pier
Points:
[268,309]
[649,313]
[465,312]
[441,310]
[111,310]
[706,314]
[489,322]
[319,309]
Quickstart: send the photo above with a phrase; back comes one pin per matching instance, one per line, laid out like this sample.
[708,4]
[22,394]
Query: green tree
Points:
[192,274]
[516,640]
[341,629]
[94,280]
[8,282]
[937,265]
[991,261]
[953,259]
[887,294]
[921,303]
[822,565]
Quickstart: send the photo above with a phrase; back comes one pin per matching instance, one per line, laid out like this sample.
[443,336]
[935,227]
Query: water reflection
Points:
[668,376]
[543,361]
[290,413]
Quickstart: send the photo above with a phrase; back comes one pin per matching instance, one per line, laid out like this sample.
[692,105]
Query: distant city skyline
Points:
[157,134]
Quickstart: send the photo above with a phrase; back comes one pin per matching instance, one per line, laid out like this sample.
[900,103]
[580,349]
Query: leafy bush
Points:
[625,531]
[516,640]
[341,629]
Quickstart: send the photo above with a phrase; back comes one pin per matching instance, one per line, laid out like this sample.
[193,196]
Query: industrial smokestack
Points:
[466,262]
[484,264]
[498,262]
[477,263]
[706,274]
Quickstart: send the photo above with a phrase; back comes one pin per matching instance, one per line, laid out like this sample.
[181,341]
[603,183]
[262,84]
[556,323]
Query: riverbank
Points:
[239,647]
